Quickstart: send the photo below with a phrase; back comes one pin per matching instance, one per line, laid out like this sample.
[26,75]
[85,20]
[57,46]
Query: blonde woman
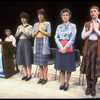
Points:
[91,50]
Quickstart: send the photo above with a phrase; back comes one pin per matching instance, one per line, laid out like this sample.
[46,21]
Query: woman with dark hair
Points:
[24,47]
[41,32]
[65,57]
[91,50]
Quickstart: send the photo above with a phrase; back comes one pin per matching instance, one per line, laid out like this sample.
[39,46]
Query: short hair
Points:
[42,12]
[6,30]
[95,7]
[65,10]
[24,15]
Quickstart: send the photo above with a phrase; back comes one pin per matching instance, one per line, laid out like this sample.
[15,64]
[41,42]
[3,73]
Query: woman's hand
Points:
[91,27]
[62,50]
[21,30]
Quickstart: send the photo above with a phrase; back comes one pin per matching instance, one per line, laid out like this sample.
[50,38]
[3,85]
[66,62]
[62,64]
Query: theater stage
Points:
[14,87]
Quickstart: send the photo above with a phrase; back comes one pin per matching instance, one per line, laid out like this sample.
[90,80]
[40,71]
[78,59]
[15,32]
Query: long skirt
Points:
[24,53]
[89,62]
[65,62]
[40,58]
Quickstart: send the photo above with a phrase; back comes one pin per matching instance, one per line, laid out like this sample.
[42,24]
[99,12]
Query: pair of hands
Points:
[22,30]
[63,50]
[94,26]
[39,30]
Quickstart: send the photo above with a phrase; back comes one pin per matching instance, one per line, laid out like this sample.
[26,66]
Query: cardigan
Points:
[46,29]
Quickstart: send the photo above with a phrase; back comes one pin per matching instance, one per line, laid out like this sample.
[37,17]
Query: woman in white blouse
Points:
[24,47]
[10,37]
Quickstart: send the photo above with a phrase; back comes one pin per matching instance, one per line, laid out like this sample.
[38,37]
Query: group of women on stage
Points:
[64,38]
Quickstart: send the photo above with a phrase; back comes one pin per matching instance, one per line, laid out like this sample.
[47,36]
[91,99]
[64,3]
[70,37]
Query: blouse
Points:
[89,34]
[12,39]
[65,32]
[27,32]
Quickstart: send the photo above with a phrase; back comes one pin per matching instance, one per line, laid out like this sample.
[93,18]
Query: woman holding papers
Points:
[65,58]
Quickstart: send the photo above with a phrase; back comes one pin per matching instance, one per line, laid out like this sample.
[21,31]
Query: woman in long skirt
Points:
[91,51]
[24,47]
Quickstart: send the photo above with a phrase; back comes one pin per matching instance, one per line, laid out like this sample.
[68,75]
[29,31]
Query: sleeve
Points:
[98,32]
[48,32]
[72,37]
[97,29]
[18,33]
[28,33]
[34,30]
[59,45]
[86,32]
[14,41]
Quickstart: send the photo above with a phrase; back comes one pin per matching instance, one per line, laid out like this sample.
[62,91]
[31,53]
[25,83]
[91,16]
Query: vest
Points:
[85,47]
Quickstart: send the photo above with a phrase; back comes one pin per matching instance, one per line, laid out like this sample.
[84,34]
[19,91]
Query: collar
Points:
[66,23]
[98,20]
[25,25]
[42,21]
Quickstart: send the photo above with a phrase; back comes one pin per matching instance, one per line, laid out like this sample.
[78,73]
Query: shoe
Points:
[40,81]
[62,87]
[93,93]
[28,78]
[87,92]
[24,77]
[66,87]
[44,81]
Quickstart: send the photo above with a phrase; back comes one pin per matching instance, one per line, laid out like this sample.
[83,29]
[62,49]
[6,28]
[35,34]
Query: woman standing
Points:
[41,32]
[91,50]
[65,58]
[24,48]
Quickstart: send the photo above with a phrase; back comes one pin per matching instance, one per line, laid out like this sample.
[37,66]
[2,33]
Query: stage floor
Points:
[14,87]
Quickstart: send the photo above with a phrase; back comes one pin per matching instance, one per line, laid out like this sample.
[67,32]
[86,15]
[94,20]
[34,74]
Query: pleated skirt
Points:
[24,54]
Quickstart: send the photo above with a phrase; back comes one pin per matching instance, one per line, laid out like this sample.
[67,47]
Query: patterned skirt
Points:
[89,62]
[39,58]
[65,62]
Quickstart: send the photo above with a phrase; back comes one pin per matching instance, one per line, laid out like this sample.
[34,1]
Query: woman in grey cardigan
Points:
[24,47]
[41,32]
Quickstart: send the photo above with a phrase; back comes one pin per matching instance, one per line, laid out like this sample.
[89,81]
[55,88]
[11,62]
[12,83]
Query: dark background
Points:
[10,10]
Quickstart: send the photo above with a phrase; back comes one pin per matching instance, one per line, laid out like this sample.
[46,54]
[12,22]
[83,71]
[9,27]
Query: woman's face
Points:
[94,13]
[7,33]
[65,17]
[23,20]
[40,17]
